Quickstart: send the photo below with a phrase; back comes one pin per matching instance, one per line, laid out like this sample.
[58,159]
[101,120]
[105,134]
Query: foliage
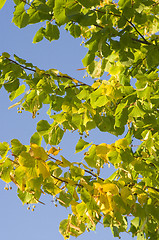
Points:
[122,41]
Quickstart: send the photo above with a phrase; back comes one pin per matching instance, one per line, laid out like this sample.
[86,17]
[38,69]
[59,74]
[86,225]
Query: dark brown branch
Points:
[39,201]
[140,41]
[30,69]
[65,181]
[93,174]
[96,25]
[55,159]
[156,189]
[116,15]
[136,65]
[145,41]
[26,3]
[46,74]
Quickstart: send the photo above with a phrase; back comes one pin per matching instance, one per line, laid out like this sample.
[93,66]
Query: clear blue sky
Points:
[16,221]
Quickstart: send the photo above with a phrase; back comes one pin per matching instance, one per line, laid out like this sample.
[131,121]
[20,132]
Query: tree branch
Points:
[145,41]
[46,74]
[65,181]
[116,15]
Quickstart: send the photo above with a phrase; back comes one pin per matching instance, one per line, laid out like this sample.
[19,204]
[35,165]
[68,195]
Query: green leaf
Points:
[90,3]
[75,30]
[36,138]
[52,32]
[72,9]
[63,228]
[55,136]
[2,2]
[6,166]
[91,157]
[137,111]
[85,195]
[95,69]
[135,222]
[65,199]
[25,197]
[88,19]
[60,12]
[12,85]
[21,18]
[81,145]
[51,188]
[5,55]
[17,93]
[115,231]
[81,208]
[43,127]
[88,59]
[17,147]
[124,3]
[4,147]
[26,160]
[39,35]
[39,11]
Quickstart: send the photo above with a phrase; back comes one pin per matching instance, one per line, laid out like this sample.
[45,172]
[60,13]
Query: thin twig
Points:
[145,41]
[39,201]
[140,41]
[26,2]
[136,65]
[93,174]
[30,69]
[116,15]
[46,74]
[65,181]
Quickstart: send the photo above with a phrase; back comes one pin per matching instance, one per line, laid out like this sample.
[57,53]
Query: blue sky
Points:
[65,55]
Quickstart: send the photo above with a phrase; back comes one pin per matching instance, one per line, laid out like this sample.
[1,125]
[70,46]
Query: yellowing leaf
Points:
[125,192]
[122,143]
[5,54]
[107,187]
[102,150]
[73,207]
[65,162]
[104,204]
[42,168]
[142,198]
[54,151]
[26,160]
[38,152]
[39,72]
[109,90]
[96,84]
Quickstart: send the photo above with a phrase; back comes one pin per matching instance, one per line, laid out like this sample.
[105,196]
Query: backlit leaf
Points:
[81,145]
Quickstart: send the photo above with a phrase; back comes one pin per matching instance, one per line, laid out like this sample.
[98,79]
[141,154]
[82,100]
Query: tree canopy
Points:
[123,43]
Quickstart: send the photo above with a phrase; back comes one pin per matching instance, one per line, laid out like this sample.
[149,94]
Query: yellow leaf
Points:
[107,187]
[65,162]
[110,187]
[73,207]
[38,152]
[96,84]
[122,143]
[102,150]
[75,195]
[39,72]
[125,193]
[142,198]
[110,200]
[54,151]
[43,169]
[104,204]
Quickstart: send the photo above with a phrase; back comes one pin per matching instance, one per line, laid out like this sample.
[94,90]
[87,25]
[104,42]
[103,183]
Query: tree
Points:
[122,42]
